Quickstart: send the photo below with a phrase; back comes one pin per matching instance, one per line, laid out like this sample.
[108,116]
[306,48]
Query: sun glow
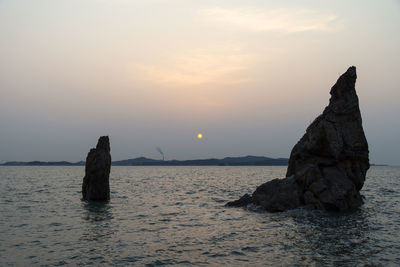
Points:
[200,136]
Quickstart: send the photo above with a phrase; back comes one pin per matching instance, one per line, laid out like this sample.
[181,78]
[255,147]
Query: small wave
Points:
[250,249]
[218,255]
[23,207]
[130,259]
[238,253]
[170,214]
[218,200]
[161,263]
[21,225]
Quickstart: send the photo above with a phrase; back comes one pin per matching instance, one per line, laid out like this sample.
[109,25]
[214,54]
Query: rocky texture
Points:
[327,167]
[96,185]
[241,202]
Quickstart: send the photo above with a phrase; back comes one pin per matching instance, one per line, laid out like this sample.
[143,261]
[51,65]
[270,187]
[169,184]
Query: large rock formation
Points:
[327,167]
[96,185]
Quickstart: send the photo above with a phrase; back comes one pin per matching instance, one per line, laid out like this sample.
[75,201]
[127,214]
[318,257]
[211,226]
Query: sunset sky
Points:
[249,75]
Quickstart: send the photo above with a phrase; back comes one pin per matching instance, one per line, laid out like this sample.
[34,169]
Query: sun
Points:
[199,136]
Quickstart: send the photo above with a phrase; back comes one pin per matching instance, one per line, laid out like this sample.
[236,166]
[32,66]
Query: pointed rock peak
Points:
[345,83]
[103,143]
[351,71]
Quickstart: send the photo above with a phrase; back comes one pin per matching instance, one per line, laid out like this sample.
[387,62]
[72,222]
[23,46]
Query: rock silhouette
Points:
[96,185]
[327,166]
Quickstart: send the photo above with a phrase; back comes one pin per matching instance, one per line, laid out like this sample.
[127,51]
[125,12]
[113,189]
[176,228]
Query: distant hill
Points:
[229,161]
[142,161]
[43,163]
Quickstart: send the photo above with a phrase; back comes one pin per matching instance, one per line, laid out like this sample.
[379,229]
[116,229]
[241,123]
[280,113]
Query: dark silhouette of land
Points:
[142,161]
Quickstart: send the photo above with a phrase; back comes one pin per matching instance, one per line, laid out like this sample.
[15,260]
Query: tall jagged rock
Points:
[327,167]
[331,160]
[96,185]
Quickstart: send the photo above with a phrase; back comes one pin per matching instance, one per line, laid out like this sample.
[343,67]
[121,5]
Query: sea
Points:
[175,216]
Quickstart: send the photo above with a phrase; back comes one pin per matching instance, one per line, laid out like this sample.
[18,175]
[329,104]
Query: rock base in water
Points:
[96,185]
[327,167]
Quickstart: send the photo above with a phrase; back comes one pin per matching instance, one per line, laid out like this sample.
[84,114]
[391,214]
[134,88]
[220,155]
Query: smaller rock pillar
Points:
[96,185]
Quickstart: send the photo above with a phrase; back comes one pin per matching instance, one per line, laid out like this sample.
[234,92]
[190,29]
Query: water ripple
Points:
[175,216]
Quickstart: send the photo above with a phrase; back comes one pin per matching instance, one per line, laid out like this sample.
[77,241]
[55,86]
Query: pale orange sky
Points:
[249,75]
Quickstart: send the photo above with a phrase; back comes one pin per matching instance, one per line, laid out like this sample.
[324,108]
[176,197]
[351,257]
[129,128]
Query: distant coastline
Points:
[142,161]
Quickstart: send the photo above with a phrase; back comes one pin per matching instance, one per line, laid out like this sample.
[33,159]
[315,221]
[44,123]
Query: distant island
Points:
[142,161]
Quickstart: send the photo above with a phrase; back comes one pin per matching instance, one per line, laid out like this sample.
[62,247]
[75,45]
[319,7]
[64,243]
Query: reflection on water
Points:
[97,216]
[175,216]
[324,235]
[97,211]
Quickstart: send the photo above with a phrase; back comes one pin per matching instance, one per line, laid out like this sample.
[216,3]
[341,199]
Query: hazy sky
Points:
[250,75]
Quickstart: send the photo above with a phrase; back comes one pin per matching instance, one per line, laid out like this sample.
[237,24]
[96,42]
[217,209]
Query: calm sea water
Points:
[175,216]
